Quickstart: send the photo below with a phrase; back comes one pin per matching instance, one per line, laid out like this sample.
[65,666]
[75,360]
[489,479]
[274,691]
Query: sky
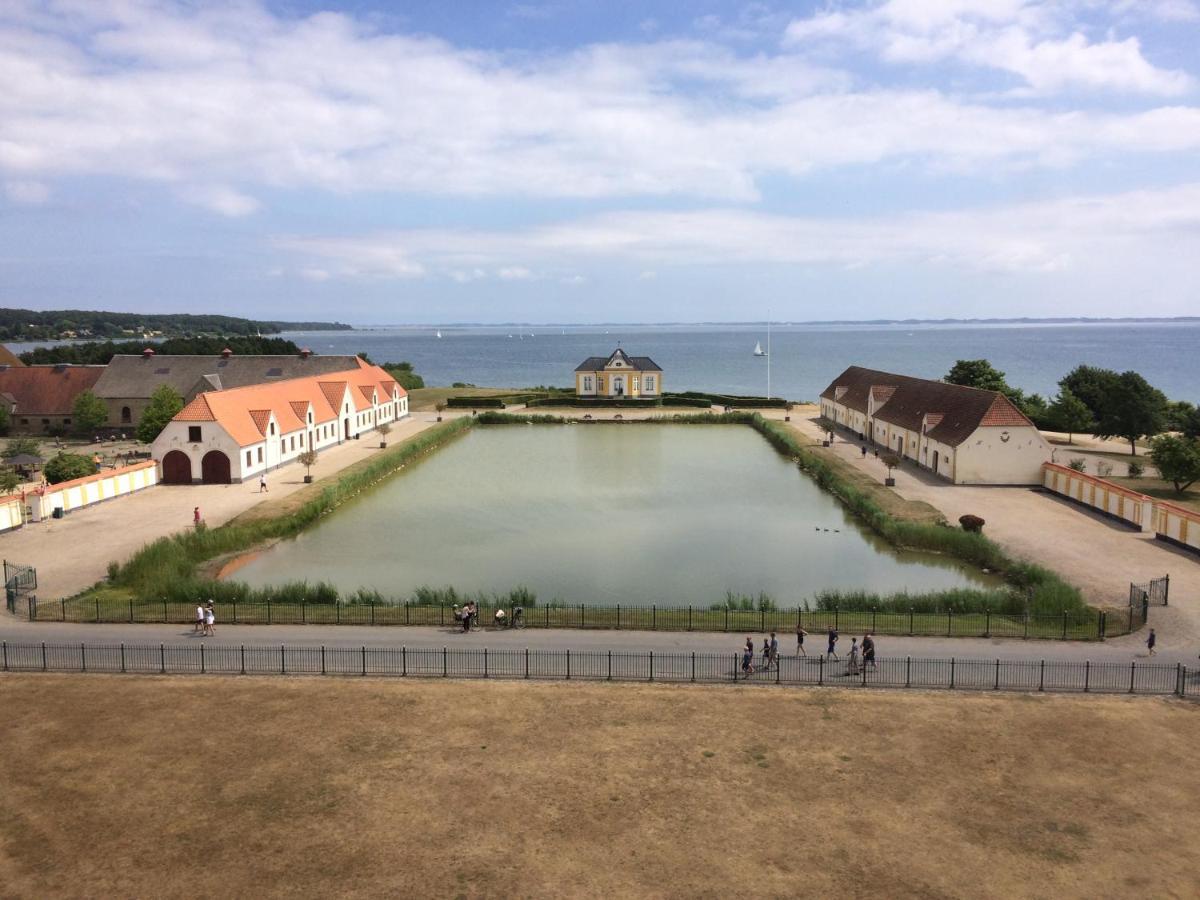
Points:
[571,161]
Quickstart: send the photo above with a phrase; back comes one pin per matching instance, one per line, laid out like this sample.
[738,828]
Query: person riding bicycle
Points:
[517,620]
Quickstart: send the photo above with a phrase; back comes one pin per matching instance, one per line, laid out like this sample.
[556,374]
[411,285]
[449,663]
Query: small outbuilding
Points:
[618,375]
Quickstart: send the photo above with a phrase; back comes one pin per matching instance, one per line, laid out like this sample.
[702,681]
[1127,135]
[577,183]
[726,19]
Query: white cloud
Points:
[28,193]
[220,199]
[648,275]
[204,97]
[312,273]
[1034,237]
[1031,39]
[514,273]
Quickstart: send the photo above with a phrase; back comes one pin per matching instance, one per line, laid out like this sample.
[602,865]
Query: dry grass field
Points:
[222,787]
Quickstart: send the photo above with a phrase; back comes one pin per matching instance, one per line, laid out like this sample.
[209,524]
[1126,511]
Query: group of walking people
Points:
[205,619]
[861,656]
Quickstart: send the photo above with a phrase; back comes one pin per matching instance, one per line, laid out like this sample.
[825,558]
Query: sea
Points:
[803,359]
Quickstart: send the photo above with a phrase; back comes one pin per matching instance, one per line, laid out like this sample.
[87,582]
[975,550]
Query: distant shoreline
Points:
[1081,320]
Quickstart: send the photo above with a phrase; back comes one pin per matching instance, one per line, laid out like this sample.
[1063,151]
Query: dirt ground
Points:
[215,787]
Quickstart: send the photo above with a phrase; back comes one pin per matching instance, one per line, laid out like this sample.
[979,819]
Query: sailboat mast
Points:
[768,356]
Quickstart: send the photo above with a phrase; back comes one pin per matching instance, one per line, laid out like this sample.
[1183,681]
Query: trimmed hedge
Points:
[588,402]
[475,403]
[734,401]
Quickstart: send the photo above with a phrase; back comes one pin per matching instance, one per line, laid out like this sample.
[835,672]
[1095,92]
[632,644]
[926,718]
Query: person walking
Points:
[864,451]
[775,650]
[1150,642]
[766,654]
[868,651]
[852,659]
[196,517]
[199,629]
[748,657]
[262,483]
[801,634]
[210,620]
[831,650]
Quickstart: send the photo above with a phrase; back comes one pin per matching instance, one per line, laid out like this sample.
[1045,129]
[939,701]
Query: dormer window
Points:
[272,427]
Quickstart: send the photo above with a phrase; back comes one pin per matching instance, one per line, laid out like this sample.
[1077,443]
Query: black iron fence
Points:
[1054,676]
[1091,625]
[1155,592]
[19,583]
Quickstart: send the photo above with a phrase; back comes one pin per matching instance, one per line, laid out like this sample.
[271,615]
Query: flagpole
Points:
[768,356]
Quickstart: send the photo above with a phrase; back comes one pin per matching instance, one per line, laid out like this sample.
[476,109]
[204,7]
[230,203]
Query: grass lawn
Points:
[273,787]
[1162,490]
[428,398]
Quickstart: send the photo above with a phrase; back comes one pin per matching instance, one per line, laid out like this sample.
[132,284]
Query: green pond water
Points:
[602,514]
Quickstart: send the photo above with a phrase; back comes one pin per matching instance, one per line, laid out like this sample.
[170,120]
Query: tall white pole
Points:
[768,356]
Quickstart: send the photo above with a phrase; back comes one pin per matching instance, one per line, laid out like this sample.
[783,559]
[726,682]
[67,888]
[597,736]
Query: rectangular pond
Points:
[602,514]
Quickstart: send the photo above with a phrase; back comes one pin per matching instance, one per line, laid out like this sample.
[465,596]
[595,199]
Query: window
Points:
[194,434]
[260,454]
[126,415]
[66,421]
[310,418]
[248,457]
[272,428]
[292,443]
[302,439]
[24,421]
[587,382]
[649,383]
[635,383]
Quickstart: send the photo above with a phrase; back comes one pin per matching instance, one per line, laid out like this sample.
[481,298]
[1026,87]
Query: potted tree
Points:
[439,406]
[787,415]
[308,459]
[384,430]
[891,460]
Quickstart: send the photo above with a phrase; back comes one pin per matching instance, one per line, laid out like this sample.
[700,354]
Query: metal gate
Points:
[19,583]
[1154,592]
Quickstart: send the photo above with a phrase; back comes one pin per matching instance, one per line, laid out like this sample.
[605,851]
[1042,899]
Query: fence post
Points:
[303,611]
[165,612]
[908,671]
[689,617]
[282,660]
[162,659]
[618,617]
[441,614]
[762,620]
[949,622]
[443,662]
[1087,675]
[997,687]
[610,665]
[654,617]
[727,628]
[372,612]
[1166,589]
[1132,674]
[1042,676]
[836,619]
[404,661]
[235,609]
[693,666]
[63,610]
[987,622]
[130,610]
[203,667]
[734,670]
[83,656]
[873,611]
[1130,631]
[651,665]
[485,666]
[268,609]
[406,622]
[243,656]
[527,662]
[44,666]
[1103,624]
[322,659]
[1180,678]
[568,664]
[952,673]
[820,669]
[1026,625]
[4,644]
[97,609]
[1064,636]
[910,622]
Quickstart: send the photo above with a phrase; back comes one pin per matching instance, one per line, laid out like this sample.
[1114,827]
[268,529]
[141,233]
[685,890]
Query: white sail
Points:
[758,350]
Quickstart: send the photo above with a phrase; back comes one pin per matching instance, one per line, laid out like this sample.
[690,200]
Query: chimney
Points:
[305,353]
[147,353]
[226,353]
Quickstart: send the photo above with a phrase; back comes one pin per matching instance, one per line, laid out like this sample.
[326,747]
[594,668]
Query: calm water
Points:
[804,359]
[601,514]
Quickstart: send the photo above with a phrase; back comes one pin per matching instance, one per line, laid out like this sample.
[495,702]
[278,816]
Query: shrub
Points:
[1136,469]
[67,467]
[475,403]
[971,523]
[1077,463]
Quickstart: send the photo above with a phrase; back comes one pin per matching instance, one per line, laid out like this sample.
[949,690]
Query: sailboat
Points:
[439,334]
[758,350]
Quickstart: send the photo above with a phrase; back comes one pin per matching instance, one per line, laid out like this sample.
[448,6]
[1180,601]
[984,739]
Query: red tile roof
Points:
[47,390]
[951,411]
[196,411]
[260,417]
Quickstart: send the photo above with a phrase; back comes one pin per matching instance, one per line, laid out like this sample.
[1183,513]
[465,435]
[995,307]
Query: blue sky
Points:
[597,161]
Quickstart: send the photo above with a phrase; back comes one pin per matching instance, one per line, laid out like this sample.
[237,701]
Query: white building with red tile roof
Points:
[236,434]
[964,434]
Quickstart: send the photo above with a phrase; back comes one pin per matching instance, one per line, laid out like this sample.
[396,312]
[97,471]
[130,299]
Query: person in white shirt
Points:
[209,620]
[199,618]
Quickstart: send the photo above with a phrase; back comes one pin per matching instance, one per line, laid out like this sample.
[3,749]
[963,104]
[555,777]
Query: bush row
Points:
[475,402]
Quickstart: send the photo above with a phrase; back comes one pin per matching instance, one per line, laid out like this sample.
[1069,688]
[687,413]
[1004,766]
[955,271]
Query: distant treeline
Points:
[65,324]
[98,353]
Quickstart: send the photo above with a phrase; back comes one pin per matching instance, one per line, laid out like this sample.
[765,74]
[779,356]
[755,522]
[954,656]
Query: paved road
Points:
[1119,650]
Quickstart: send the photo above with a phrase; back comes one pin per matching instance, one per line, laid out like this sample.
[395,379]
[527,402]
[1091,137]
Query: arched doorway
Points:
[345,429]
[126,415]
[214,468]
[176,468]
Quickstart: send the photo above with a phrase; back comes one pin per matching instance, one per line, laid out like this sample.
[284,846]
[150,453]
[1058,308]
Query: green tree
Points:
[1177,459]
[404,375]
[977,373]
[67,466]
[164,404]
[5,419]
[1090,384]
[1038,410]
[9,480]
[1070,414]
[1179,412]
[1190,426]
[1132,409]
[88,413]
[20,447]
